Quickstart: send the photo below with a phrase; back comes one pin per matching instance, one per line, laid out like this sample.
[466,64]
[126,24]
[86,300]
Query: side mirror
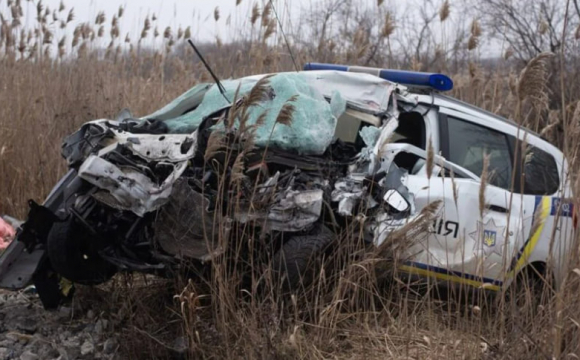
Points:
[396,200]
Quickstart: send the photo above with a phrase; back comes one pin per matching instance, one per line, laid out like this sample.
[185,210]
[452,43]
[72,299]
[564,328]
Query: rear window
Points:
[540,172]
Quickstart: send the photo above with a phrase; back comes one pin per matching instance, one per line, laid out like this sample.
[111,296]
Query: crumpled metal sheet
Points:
[381,145]
[361,91]
[132,190]
[383,225]
[347,192]
[350,190]
[78,145]
[292,211]
[164,147]
[150,147]
[186,228]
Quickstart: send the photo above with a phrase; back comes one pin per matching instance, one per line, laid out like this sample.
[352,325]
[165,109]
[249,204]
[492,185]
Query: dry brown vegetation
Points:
[49,86]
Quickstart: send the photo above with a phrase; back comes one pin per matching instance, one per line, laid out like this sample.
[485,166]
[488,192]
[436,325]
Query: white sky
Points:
[199,14]
[195,13]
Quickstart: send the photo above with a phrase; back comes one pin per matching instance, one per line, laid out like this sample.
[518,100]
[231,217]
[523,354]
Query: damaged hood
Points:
[318,98]
[129,184]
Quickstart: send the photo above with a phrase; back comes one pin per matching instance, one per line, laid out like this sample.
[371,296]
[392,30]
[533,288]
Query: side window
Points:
[540,172]
[468,143]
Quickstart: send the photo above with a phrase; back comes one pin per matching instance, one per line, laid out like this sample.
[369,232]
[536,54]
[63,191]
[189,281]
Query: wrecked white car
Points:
[282,158]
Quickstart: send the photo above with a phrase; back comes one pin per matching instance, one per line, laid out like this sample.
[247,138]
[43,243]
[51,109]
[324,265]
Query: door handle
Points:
[498,208]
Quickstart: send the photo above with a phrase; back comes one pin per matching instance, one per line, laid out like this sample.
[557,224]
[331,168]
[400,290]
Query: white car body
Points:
[516,230]
[465,246]
[479,238]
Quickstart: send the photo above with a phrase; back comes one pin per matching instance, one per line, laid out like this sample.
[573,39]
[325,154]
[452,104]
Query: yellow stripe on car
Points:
[535,237]
[521,261]
[448,277]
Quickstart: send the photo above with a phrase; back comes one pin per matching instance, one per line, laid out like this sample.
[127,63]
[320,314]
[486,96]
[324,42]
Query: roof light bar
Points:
[409,78]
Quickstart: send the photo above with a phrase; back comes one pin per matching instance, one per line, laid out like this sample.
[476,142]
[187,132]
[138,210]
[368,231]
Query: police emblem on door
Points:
[489,237]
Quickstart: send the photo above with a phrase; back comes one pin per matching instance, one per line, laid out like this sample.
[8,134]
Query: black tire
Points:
[525,298]
[293,264]
[530,289]
[72,253]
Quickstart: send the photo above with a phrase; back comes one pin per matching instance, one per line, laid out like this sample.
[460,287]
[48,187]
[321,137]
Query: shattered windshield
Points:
[320,100]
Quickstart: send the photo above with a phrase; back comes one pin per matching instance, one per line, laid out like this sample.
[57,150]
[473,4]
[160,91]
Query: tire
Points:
[526,297]
[293,264]
[528,290]
[72,254]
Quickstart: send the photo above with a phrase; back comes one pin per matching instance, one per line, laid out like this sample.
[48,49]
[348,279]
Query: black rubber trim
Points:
[444,135]
[516,158]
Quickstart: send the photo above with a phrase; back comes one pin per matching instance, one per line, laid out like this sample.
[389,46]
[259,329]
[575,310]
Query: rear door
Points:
[544,188]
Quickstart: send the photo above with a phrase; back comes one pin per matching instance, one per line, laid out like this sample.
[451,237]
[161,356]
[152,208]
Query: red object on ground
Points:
[6,234]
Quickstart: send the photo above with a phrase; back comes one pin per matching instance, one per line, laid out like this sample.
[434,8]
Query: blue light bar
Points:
[409,78]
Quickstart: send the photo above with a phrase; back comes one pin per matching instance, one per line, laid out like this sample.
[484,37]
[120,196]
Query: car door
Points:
[548,209]
[473,235]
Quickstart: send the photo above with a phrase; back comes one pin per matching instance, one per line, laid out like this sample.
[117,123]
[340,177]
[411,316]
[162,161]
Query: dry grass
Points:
[350,313]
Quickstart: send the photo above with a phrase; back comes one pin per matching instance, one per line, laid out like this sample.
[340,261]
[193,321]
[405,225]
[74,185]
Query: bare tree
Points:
[528,27]
[416,41]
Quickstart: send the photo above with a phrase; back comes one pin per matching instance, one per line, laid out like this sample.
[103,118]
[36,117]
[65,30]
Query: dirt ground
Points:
[28,332]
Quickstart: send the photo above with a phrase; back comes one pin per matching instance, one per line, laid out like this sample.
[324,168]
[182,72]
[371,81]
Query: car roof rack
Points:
[411,79]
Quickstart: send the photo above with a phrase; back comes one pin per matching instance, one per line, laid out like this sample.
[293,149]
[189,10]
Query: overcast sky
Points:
[199,14]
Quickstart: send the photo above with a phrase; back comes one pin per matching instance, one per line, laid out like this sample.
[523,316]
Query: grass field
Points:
[49,86]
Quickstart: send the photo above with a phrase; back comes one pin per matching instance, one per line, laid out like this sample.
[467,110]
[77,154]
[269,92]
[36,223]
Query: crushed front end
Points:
[287,155]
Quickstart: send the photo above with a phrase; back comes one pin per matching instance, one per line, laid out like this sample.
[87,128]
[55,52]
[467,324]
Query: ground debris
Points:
[28,332]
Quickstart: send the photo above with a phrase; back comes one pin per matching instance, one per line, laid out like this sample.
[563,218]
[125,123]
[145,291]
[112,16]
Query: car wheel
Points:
[526,297]
[294,264]
[72,254]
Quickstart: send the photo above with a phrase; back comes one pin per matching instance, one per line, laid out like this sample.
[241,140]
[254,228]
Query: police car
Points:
[111,212]
[526,222]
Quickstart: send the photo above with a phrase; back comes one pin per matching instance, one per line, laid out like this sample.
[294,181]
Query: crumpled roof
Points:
[314,121]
